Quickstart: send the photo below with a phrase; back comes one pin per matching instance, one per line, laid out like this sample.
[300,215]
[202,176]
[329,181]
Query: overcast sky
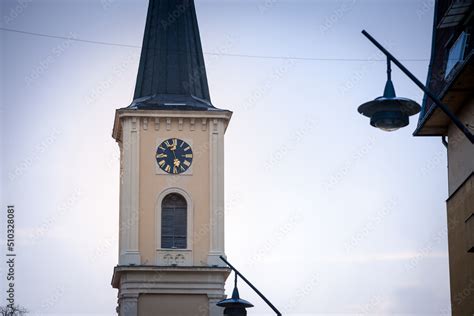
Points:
[327,215]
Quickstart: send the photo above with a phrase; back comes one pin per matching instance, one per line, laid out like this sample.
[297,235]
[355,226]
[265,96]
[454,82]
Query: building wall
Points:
[173,305]
[144,185]
[460,208]
[461,262]
[460,150]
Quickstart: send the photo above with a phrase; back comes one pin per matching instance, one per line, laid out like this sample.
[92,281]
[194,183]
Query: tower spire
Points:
[171,73]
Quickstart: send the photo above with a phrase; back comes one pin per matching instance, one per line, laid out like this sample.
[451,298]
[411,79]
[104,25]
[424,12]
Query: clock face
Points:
[174,156]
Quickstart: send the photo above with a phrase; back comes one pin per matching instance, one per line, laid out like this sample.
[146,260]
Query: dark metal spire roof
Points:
[172,74]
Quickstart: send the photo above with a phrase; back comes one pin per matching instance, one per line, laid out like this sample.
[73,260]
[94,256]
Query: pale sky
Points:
[324,214]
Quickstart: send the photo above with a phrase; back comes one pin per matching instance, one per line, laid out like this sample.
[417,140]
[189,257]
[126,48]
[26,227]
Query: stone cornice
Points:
[121,270]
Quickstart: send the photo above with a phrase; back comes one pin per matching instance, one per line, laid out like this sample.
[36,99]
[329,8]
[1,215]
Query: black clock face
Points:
[174,156]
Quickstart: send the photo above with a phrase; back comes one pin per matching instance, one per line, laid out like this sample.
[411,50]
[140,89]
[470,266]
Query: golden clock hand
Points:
[176,161]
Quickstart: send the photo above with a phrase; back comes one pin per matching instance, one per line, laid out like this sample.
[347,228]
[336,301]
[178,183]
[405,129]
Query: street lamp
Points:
[390,112]
[235,306]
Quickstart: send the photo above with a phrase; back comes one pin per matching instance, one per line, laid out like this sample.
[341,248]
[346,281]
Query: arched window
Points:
[174,221]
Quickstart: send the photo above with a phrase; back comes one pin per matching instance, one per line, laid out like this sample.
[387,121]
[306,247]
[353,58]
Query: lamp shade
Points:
[235,306]
[389,112]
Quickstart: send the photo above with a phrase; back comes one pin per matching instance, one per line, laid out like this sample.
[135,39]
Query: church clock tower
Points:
[171,141]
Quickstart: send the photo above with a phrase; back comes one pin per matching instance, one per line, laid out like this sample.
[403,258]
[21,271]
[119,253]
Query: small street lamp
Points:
[235,306]
[390,112]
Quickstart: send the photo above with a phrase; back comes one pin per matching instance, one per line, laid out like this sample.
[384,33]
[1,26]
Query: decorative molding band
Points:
[121,114]
[174,257]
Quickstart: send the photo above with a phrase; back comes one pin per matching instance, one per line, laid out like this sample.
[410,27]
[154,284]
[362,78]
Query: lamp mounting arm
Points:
[251,285]
[389,69]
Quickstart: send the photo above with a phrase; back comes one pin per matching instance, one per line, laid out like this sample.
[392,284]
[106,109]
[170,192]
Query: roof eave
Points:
[426,127]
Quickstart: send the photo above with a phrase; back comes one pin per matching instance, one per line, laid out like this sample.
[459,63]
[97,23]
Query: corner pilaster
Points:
[215,310]
[128,305]
[129,216]
[216,161]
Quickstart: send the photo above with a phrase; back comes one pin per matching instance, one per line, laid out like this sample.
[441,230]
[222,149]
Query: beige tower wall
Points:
[195,182]
[144,185]
[173,305]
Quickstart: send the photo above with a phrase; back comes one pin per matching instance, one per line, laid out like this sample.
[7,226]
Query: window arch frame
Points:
[189,218]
